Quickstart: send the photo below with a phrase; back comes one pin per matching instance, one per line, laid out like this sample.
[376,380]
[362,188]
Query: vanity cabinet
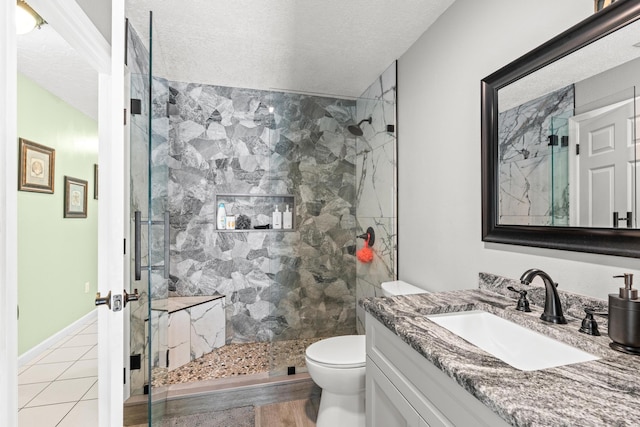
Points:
[405,389]
[389,407]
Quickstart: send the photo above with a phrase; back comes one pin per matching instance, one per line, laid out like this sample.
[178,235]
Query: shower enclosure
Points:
[268,293]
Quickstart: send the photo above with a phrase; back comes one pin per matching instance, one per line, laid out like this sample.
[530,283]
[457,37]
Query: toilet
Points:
[337,365]
[400,287]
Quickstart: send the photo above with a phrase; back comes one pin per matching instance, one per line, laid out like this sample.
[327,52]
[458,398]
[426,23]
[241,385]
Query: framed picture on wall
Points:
[95,181]
[36,168]
[75,197]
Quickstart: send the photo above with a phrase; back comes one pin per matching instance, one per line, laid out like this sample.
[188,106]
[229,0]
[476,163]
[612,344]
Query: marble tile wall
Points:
[526,162]
[278,284]
[206,325]
[376,197]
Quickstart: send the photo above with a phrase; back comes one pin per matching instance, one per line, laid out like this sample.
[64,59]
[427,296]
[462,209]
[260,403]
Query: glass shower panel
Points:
[376,196]
[160,336]
[150,337]
[138,62]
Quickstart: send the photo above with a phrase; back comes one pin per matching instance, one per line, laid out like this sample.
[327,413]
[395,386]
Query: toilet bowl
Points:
[399,287]
[337,365]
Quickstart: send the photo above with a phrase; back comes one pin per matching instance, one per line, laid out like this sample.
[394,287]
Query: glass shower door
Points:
[149,226]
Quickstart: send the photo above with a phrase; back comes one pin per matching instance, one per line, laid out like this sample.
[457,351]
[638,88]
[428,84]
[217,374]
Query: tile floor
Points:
[60,387]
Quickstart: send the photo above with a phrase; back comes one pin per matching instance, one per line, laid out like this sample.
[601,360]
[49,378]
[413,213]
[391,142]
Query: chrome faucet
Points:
[552,308]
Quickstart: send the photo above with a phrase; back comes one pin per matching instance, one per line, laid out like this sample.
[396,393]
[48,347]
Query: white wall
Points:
[100,14]
[439,239]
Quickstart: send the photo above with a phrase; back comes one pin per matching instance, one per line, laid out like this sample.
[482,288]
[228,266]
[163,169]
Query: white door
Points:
[606,167]
[8,219]
[71,23]
[111,226]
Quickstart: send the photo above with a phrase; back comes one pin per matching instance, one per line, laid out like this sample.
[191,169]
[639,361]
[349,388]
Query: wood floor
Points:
[296,413]
[291,400]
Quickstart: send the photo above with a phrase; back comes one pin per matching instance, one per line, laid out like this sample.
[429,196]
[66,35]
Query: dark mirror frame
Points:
[608,241]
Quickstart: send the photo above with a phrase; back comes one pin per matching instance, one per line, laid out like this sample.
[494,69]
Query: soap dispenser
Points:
[277,218]
[287,219]
[624,318]
[221,217]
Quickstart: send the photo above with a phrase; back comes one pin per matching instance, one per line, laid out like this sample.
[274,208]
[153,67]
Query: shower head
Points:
[356,129]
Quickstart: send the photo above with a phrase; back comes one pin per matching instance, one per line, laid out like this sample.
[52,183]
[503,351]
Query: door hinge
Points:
[136,106]
[135,361]
[125,117]
[124,375]
[125,246]
[167,358]
[577,149]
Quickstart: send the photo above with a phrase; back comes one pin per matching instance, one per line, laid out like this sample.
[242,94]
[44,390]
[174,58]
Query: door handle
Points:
[137,257]
[103,300]
[137,247]
[130,297]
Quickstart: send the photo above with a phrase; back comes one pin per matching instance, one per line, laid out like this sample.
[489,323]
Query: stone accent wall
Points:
[278,284]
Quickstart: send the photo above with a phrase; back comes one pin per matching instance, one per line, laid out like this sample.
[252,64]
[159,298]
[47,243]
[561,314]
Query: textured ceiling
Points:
[47,59]
[333,47]
[336,47]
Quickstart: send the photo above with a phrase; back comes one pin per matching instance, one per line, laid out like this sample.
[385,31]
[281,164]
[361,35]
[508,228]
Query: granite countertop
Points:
[603,392]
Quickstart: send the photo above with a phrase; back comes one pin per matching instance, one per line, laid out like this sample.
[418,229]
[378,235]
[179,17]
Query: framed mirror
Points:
[546,117]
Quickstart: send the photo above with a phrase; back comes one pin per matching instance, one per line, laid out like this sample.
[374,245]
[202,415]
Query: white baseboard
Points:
[36,351]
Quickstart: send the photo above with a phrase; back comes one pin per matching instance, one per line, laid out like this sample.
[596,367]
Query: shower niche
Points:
[257,210]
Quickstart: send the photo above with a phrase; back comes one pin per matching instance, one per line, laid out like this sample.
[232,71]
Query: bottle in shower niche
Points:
[221,219]
[277,218]
[287,219]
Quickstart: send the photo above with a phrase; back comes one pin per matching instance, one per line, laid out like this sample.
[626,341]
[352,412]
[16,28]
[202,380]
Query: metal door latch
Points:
[117,302]
[103,300]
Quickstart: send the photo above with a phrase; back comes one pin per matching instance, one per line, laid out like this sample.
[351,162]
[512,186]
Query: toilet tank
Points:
[400,287]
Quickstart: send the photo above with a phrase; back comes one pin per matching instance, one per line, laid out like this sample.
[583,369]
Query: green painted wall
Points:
[56,255]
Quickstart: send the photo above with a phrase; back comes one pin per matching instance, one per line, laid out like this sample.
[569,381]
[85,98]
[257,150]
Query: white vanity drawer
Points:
[436,397]
[388,407]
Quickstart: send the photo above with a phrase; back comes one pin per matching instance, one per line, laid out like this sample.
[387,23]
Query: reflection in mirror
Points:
[540,180]
[544,177]
[604,173]
[533,161]
[559,140]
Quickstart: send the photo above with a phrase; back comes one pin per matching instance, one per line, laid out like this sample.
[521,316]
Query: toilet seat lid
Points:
[346,351]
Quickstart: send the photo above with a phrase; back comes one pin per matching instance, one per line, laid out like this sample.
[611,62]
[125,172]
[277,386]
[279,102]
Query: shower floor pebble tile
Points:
[239,359]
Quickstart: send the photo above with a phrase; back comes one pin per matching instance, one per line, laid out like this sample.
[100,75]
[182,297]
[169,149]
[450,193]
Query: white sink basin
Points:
[518,346]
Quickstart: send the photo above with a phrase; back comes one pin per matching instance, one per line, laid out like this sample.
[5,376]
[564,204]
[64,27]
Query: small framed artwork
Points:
[95,181]
[75,197]
[36,168]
